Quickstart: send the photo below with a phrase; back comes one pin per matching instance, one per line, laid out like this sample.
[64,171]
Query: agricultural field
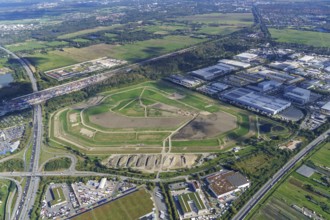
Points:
[297,191]
[144,118]
[132,206]
[312,38]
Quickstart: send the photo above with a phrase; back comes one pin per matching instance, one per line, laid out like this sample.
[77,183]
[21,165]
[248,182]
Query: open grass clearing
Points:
[32,45]
[134,52]
[316,39]
[132,206]
[321,157]
[88,31]
[237,19]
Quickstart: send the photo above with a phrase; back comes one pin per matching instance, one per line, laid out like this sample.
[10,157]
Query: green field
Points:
[311,38]
[171,34]
[132,206]
[134,52]
[35,45]
[234,19]
[87,31]
[321,157]
[310,193]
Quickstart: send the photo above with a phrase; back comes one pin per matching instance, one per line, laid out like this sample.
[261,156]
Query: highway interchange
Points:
[26,197]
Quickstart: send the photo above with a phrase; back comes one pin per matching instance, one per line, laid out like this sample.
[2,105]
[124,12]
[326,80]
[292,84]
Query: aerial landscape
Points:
[170,110]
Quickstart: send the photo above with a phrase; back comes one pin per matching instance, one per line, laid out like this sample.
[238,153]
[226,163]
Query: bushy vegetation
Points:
[58,164]
[12,165]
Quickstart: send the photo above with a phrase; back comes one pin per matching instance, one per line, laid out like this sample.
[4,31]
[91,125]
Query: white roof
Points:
[326,106]
[247,55]
[306,58]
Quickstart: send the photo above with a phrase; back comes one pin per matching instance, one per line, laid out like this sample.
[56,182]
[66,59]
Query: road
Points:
[19,197]
[26,68]
[32,183]
[271,183]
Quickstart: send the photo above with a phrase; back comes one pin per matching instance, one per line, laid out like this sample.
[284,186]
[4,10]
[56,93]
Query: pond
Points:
[5,80]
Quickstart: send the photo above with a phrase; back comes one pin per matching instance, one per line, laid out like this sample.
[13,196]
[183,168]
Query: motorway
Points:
[277,177]
[23,205]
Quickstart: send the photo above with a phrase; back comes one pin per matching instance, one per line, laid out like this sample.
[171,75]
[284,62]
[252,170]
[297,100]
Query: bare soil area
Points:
[151,162]
[206,126]
[116,121]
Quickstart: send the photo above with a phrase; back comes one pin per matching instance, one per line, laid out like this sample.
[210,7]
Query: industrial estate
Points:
[164,109]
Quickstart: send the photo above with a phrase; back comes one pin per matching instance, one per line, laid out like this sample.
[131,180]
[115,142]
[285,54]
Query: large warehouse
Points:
[212,72]
[257,101]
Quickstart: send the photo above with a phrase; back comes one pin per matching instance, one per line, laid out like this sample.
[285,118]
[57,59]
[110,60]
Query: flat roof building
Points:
[212,72]
[298,95]
[280,76]
[191,204]
[186,81]
[325,109]
[235,63]
[246,57]
[102,183]
[226,182]
[266,86]
[256,101]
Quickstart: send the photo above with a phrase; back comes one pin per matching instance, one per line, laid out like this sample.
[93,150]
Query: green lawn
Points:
[34,45]
[132,206]
[88,31]
[238,19]
[322,157]
[312,38]
[49,60]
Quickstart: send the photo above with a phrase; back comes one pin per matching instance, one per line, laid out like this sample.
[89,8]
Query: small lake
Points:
[5,80]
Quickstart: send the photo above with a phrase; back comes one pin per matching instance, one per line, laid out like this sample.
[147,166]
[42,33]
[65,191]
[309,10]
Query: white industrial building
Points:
[102,183]
[212,72]
[257,101]
[325,109]
[246,57]
[235,63]
[266,86]
[298,95]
